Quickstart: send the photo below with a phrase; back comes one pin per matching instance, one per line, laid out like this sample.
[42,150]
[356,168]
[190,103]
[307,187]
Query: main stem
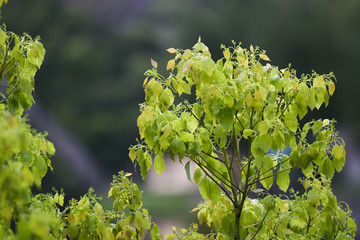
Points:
[240,198]
[236,194]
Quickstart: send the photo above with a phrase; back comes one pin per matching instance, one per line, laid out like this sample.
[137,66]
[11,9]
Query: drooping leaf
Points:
[187,169]
[197,175]
[283,180]
[327,168]
[159,164]
[331,87]
[339,154]
[132,154]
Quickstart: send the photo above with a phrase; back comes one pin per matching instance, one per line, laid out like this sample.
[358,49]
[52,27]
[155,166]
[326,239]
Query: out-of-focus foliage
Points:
[24,161]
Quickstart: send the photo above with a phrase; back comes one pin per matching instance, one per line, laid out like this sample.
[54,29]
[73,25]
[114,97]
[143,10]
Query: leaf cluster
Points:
[240,99]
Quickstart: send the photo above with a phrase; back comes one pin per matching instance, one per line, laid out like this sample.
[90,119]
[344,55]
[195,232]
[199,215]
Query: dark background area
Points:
[90,85]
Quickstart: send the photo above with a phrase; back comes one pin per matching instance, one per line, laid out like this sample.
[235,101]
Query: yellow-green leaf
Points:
[132,154]
[248,100]
[263,127]
[283,180]
[171,50]
[331,88]
[318,81]
[264,57]
[159,164]
[170,64]
[226,53]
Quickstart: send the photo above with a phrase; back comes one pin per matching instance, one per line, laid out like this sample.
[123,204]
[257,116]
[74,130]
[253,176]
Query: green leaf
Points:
[207,65]
[132,154]
[155,87]
[203,188]
[26,86]
[187,169]
[186,137]
[317,126]
[312,98]
[50,148]
[205,141]
[291,121]
[283,180]
[138,220]
[265,142]
[197,175]
[191,122]
[263,127]
[229,101]
[166,98]
[164,142]
[35,53]
[352,226]
[145,162]
[155,233]
[331,88]
[194,150]
[178,147]
[3,36]
[40,165]
[327,168]
[159,164]
[27,158]
[268,179]
[339,154]
[200,47]
[220,136]
[209,190]
[226,118]
[247,133]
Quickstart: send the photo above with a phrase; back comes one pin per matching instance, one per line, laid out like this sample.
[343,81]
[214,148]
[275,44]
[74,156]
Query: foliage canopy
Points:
[239,101]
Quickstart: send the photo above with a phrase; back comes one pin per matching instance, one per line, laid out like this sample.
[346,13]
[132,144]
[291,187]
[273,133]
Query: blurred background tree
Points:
[90,84]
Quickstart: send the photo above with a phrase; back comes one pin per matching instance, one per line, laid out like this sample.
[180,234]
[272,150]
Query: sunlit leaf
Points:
[339,154]
[318,81]
[264,57]
[171,50]
[331,88]
[159,164]
[170,64]
[283,180]
[153,63]
[132,154]
[226,53]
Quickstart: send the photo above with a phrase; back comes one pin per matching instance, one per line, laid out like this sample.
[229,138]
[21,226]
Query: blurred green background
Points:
[90,85]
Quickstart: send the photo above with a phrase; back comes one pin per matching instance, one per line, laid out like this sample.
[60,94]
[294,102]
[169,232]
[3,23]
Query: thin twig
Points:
[262,221]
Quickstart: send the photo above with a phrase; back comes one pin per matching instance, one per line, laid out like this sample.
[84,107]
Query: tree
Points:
[239,101]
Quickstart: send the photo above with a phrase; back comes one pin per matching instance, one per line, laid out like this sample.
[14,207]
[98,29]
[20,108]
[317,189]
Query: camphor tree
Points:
[242,100]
